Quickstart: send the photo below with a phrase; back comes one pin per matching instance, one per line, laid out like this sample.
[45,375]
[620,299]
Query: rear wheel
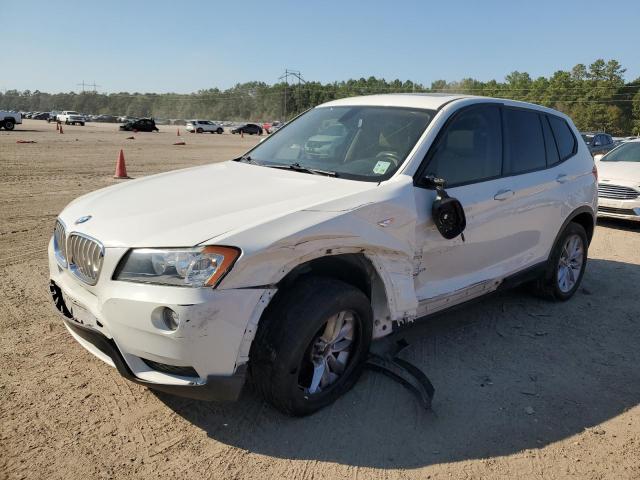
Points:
[9,125]
[199,130]
[566,265]
[311,345]
[219,131]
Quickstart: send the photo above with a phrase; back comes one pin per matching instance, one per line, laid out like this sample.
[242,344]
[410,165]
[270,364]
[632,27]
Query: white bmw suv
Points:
[203,126]
[283,267]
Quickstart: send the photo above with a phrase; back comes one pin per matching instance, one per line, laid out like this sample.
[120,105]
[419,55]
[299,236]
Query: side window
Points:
[524,142]
[549,142]
[608,139]
[564,137]
[470,149]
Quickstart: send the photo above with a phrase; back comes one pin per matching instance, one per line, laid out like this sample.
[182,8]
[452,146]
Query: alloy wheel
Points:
[328,354]
[570,263]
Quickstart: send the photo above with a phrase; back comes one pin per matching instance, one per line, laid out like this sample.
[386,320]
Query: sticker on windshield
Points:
[381,167]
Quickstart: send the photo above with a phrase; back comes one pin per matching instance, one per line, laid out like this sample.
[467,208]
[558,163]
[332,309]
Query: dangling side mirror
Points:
[447,212]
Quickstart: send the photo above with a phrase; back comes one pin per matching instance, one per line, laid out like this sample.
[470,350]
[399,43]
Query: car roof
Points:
[429,101]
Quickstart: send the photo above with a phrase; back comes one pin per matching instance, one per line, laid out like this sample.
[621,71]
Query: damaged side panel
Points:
[381,234]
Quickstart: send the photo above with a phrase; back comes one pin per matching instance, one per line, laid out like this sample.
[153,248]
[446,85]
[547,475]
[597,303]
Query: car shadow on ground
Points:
[20,130]
[619,224]
[511,372]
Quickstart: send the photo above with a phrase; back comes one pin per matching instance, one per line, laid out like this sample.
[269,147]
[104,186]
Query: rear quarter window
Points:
[564,137]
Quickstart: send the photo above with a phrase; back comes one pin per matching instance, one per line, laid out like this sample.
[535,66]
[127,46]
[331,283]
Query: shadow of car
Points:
[511,373]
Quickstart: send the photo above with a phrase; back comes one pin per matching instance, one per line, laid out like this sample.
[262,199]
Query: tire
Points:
[551,285]
[9,125]
[281,354]
[82,124]
[219,131]
[199,130]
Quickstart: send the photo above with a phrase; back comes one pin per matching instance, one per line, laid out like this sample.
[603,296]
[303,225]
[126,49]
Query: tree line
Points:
[596,97]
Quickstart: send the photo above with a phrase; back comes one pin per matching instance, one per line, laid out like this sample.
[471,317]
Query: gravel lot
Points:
[524,388]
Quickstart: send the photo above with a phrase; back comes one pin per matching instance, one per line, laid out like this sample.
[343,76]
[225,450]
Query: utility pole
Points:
[287,73]
[83,85]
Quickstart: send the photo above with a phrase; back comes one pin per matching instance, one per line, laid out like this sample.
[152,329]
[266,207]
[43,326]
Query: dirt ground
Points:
[524,388]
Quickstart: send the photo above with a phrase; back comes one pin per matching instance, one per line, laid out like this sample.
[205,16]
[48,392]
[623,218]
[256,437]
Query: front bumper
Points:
[623,209]
[216,387]
[118,322]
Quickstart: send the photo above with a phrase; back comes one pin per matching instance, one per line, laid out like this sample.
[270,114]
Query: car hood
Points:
[188,207]
[626,173]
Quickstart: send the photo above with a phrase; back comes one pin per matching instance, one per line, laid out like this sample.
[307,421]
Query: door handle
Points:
[504,194]
[562,178]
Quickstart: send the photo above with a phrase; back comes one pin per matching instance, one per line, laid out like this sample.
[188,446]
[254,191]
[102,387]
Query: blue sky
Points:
[160,46]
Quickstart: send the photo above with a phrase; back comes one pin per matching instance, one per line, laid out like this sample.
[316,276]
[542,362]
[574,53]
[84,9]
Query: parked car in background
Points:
[140,125]
[202,126]
[41,116]
[53,117]
[619,184]
[298,262]
[274,127]
[105,119]
[598,143]
[248,128]
[69,117]
[8,120]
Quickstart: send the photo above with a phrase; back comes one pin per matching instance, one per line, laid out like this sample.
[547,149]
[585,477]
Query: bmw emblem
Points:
[86,218]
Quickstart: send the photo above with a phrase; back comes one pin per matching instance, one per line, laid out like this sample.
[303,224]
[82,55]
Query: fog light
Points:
[170,318]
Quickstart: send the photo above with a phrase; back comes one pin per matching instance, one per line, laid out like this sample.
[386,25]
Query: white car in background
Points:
[8,120]
[284,266]
[69,117]
[619,184]
[204,126]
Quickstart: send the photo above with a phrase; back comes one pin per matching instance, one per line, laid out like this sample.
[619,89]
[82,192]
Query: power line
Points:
[83,84]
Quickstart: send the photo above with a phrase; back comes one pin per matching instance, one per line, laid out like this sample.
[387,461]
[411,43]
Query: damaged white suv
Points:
[358,217]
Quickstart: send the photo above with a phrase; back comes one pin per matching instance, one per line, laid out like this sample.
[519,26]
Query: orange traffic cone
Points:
[121,169]
[178,133]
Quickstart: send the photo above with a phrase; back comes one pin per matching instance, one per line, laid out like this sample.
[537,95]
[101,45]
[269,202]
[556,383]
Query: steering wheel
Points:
[389,155]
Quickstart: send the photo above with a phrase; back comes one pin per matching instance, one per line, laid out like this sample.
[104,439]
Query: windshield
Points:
[362,143]
[587,139]
[627,152]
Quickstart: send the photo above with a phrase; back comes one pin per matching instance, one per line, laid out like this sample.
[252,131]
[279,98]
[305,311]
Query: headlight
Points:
[184,267]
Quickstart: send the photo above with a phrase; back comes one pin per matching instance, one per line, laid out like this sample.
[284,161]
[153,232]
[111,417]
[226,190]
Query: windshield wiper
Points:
[299,168]
[247,159]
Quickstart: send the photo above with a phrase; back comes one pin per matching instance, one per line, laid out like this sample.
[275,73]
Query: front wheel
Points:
[566,265]
[311,345]
[9,125]
[219,131]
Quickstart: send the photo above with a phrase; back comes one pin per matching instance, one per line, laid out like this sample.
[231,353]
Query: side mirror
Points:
[447,212]
[433,183]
